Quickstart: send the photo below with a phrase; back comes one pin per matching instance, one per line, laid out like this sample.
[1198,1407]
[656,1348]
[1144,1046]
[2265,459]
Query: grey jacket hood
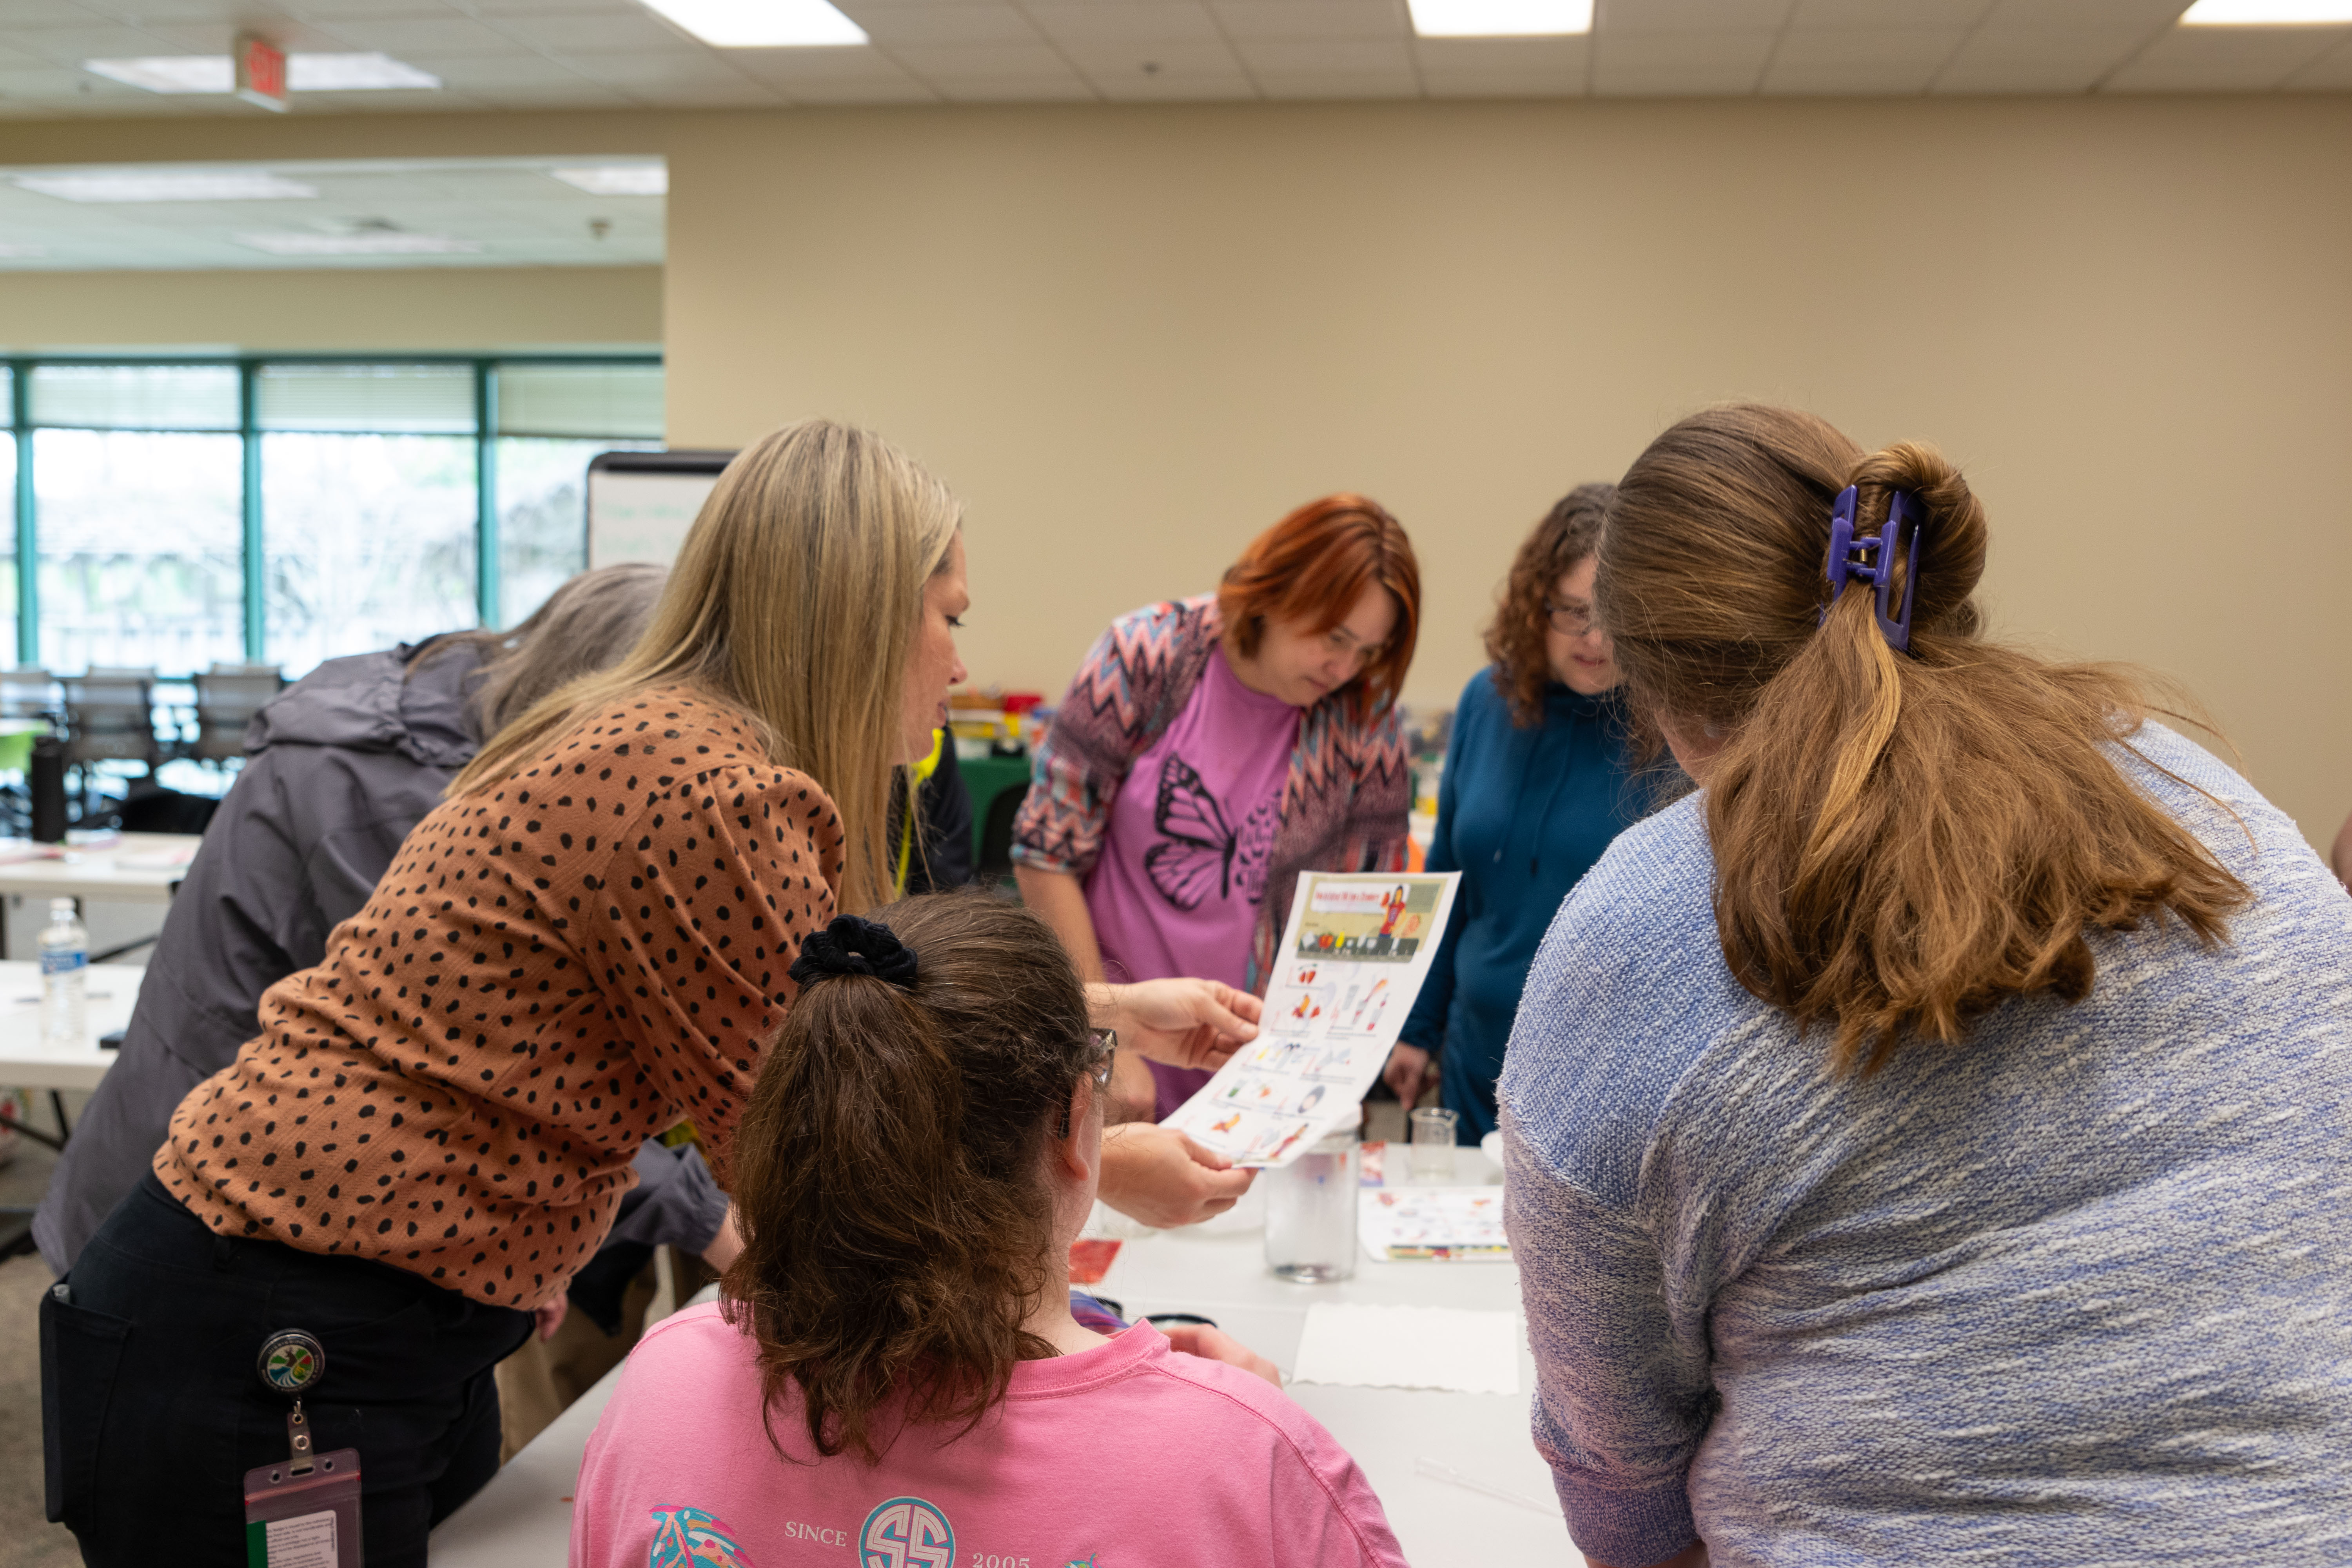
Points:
[370,702]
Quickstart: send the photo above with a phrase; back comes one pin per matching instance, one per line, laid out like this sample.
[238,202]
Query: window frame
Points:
[485,370]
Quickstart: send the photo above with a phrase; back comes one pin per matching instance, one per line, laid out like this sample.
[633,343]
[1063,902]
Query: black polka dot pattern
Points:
[551,971]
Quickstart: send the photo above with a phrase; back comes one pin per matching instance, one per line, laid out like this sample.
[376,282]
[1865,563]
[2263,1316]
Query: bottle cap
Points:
[62,907]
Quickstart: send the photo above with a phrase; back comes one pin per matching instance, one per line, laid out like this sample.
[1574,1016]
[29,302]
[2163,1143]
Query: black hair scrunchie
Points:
[854,946]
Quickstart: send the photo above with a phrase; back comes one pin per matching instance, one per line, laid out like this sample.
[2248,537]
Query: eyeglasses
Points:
[1570,620]
[1106,1042]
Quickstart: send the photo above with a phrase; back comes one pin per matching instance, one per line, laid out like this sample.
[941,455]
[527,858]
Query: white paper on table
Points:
[1451,1225]
[1352,958]
[1450,1348]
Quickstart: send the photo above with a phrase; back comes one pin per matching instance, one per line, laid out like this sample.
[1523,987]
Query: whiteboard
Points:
[640,504]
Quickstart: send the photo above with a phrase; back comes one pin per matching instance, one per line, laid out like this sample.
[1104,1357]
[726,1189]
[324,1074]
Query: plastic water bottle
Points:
[65,973]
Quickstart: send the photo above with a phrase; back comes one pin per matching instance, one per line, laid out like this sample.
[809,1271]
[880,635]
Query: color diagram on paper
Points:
[1354,956]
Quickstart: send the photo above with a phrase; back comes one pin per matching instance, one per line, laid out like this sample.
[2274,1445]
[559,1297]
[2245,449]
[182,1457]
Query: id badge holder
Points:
[305,1511]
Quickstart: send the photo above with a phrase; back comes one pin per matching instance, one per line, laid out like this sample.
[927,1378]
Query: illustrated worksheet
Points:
[1351,960]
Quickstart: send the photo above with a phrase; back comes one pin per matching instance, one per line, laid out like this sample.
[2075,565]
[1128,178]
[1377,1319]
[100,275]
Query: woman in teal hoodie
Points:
[1536,786]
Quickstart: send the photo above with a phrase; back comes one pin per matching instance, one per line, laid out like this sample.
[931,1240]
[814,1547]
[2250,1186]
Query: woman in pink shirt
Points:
[893,1375]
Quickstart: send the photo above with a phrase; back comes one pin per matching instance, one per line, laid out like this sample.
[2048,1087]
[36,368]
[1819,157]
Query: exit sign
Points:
[260,72]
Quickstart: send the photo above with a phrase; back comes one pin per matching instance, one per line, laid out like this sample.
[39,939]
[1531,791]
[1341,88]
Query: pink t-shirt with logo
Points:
[1177,886]
[1126,1455]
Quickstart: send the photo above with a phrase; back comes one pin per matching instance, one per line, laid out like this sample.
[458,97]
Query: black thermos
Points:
[45,778]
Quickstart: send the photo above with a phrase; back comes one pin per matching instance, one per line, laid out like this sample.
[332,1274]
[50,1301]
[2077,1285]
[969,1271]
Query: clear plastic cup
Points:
[1433,1144]
[1311,1211]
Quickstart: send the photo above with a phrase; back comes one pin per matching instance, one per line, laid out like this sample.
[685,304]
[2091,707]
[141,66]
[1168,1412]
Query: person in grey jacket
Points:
[340,766]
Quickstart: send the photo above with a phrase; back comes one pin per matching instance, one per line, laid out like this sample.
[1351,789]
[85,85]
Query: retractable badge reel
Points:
[304,1512]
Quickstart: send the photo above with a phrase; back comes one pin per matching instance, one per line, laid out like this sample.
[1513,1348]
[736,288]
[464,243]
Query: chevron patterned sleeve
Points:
[1133,678]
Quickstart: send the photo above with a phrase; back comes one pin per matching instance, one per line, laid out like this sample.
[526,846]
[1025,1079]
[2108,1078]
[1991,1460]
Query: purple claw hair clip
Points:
[1847,561]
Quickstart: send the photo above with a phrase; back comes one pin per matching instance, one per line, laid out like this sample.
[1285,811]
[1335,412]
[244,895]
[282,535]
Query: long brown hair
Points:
[1515,639]
[1901,841]
[889,1174]
[1312,567]
[794,599]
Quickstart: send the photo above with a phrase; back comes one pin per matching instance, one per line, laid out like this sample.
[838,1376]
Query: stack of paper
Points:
[1448,1348]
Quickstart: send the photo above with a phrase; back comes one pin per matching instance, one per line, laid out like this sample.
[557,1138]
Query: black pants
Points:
[152,1413]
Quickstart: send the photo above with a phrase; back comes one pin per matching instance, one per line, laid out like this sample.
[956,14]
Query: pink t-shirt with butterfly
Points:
[1128,1453]
[1182,869]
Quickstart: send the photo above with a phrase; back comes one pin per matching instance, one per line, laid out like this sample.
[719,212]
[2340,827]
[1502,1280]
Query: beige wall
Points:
[447,310]
[1132,337]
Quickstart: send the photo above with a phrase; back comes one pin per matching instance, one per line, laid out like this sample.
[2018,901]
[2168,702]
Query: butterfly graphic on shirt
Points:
[1198,854]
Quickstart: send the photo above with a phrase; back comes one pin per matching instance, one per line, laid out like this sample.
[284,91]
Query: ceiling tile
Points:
[1510,56]
[71,46]
[1117,60]
[1660,64]
[493,8]
[2223,60]
[574,94]
[1140,89]
[1066,88]
[218,37]
[404,36]
[791,69]
[2042,60]
[821,93]
[1338,85]
[1853,61]
[739,92]
[1247,19]
[676,69]
[49,13]
[1117,20]
[1889,14]
[2146,15]
[1321,57]
[597,33]
[2331,72]
[469,73]
[936,64]
[1505,84]
[947,25]
[1616,16]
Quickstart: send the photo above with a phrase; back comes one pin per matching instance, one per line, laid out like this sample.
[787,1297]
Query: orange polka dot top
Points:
[552,970]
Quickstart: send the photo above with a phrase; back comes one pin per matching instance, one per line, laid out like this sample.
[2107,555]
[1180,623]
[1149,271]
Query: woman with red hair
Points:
[1212,748]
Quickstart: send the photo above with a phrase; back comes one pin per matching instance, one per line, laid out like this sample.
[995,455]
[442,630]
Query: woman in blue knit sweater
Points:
[1925,1141]
[1535,788]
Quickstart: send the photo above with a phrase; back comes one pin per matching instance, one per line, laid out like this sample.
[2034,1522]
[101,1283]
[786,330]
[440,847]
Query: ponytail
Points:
[1902,840]
[888,1172]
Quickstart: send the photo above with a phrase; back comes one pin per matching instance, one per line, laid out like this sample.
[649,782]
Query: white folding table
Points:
[133,868]
[522,1519]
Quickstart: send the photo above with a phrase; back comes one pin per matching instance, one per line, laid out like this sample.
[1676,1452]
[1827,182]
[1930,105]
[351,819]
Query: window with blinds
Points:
[372,398]
[593,400]
[135,397]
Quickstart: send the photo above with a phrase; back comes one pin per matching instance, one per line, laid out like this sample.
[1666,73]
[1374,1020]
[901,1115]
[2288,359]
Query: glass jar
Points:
[1310,1210]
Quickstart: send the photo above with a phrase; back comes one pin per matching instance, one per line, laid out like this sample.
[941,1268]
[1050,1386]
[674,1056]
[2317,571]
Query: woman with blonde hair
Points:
[1925,1142]
[586,943]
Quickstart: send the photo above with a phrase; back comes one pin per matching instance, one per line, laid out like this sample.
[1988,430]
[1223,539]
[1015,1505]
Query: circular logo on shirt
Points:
[906,1533]
[290,1360]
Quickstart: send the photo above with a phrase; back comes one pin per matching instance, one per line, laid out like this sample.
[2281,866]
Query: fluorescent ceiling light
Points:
[304,73]
[170,73]
[762,24]
[353,73]
[618,179]
[166,185]
[364,243]
[1499,18]
[2267,13]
